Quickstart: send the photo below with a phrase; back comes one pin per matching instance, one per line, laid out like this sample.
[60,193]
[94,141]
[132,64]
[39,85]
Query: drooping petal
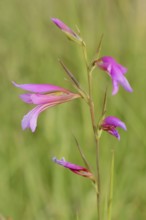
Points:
[116,71]
[56,95]
[124,83]
[30,119]
[113,132]
[82,171]
[40,88]
[114,121]
[118,77]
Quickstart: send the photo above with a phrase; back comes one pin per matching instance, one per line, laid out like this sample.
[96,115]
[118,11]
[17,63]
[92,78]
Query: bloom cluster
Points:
[44,96]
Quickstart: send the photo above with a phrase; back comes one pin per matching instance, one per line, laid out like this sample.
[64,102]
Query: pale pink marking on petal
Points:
[115,87]
[109,68]
[30,119]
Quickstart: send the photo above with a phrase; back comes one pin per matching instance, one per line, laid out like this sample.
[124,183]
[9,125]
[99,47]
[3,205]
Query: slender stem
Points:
[95,130]
[91,104]
[98,179]
[111,188]
[85,54]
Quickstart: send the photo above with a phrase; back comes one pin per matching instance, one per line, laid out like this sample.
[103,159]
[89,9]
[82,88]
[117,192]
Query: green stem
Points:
[98,193]
[111,188]
[85,54]
[91,106]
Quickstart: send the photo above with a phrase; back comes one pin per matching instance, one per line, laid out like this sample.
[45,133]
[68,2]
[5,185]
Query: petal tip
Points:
[15,84]
[54,159]
[130,90]
[117,135]
[124,127]
[53,19]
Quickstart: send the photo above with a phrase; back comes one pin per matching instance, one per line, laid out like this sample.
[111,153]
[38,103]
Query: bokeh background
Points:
[32,187]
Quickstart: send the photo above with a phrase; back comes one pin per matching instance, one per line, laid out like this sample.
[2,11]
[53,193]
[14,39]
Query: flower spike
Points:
[43,96]
[68,32]
[110,124]
[82,171]
[116,71]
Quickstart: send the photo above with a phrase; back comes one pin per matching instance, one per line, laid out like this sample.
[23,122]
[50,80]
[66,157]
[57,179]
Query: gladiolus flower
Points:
[69,32]
[82,171]
[110,124]
[116,71]
[43,96]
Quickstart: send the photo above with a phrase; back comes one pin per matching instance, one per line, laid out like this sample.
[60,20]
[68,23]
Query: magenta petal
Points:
[113,121]
[122,69]
[74,168]
[26,98]
[30,119]
[114,132]
[39,88]
[124,82]
[52,98]
[116,71]
[107,60]
[66,164]
[110,124]
[64,27]
[119,78]
[56,95]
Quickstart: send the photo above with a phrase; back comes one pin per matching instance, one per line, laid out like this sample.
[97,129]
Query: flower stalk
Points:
[95,131]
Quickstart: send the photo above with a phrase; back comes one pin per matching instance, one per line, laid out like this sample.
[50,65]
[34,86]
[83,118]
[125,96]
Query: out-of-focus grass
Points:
[31,186]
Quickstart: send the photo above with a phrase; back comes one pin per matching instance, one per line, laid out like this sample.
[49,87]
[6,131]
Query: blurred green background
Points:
[32,187]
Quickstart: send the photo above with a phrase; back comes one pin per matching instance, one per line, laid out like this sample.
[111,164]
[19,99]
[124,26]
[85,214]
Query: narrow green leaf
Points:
[82,155]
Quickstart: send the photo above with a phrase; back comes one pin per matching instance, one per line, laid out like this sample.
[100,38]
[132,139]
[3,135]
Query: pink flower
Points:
[82,171]
[43,96]
[116,71]
[110,124]
[69,32]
